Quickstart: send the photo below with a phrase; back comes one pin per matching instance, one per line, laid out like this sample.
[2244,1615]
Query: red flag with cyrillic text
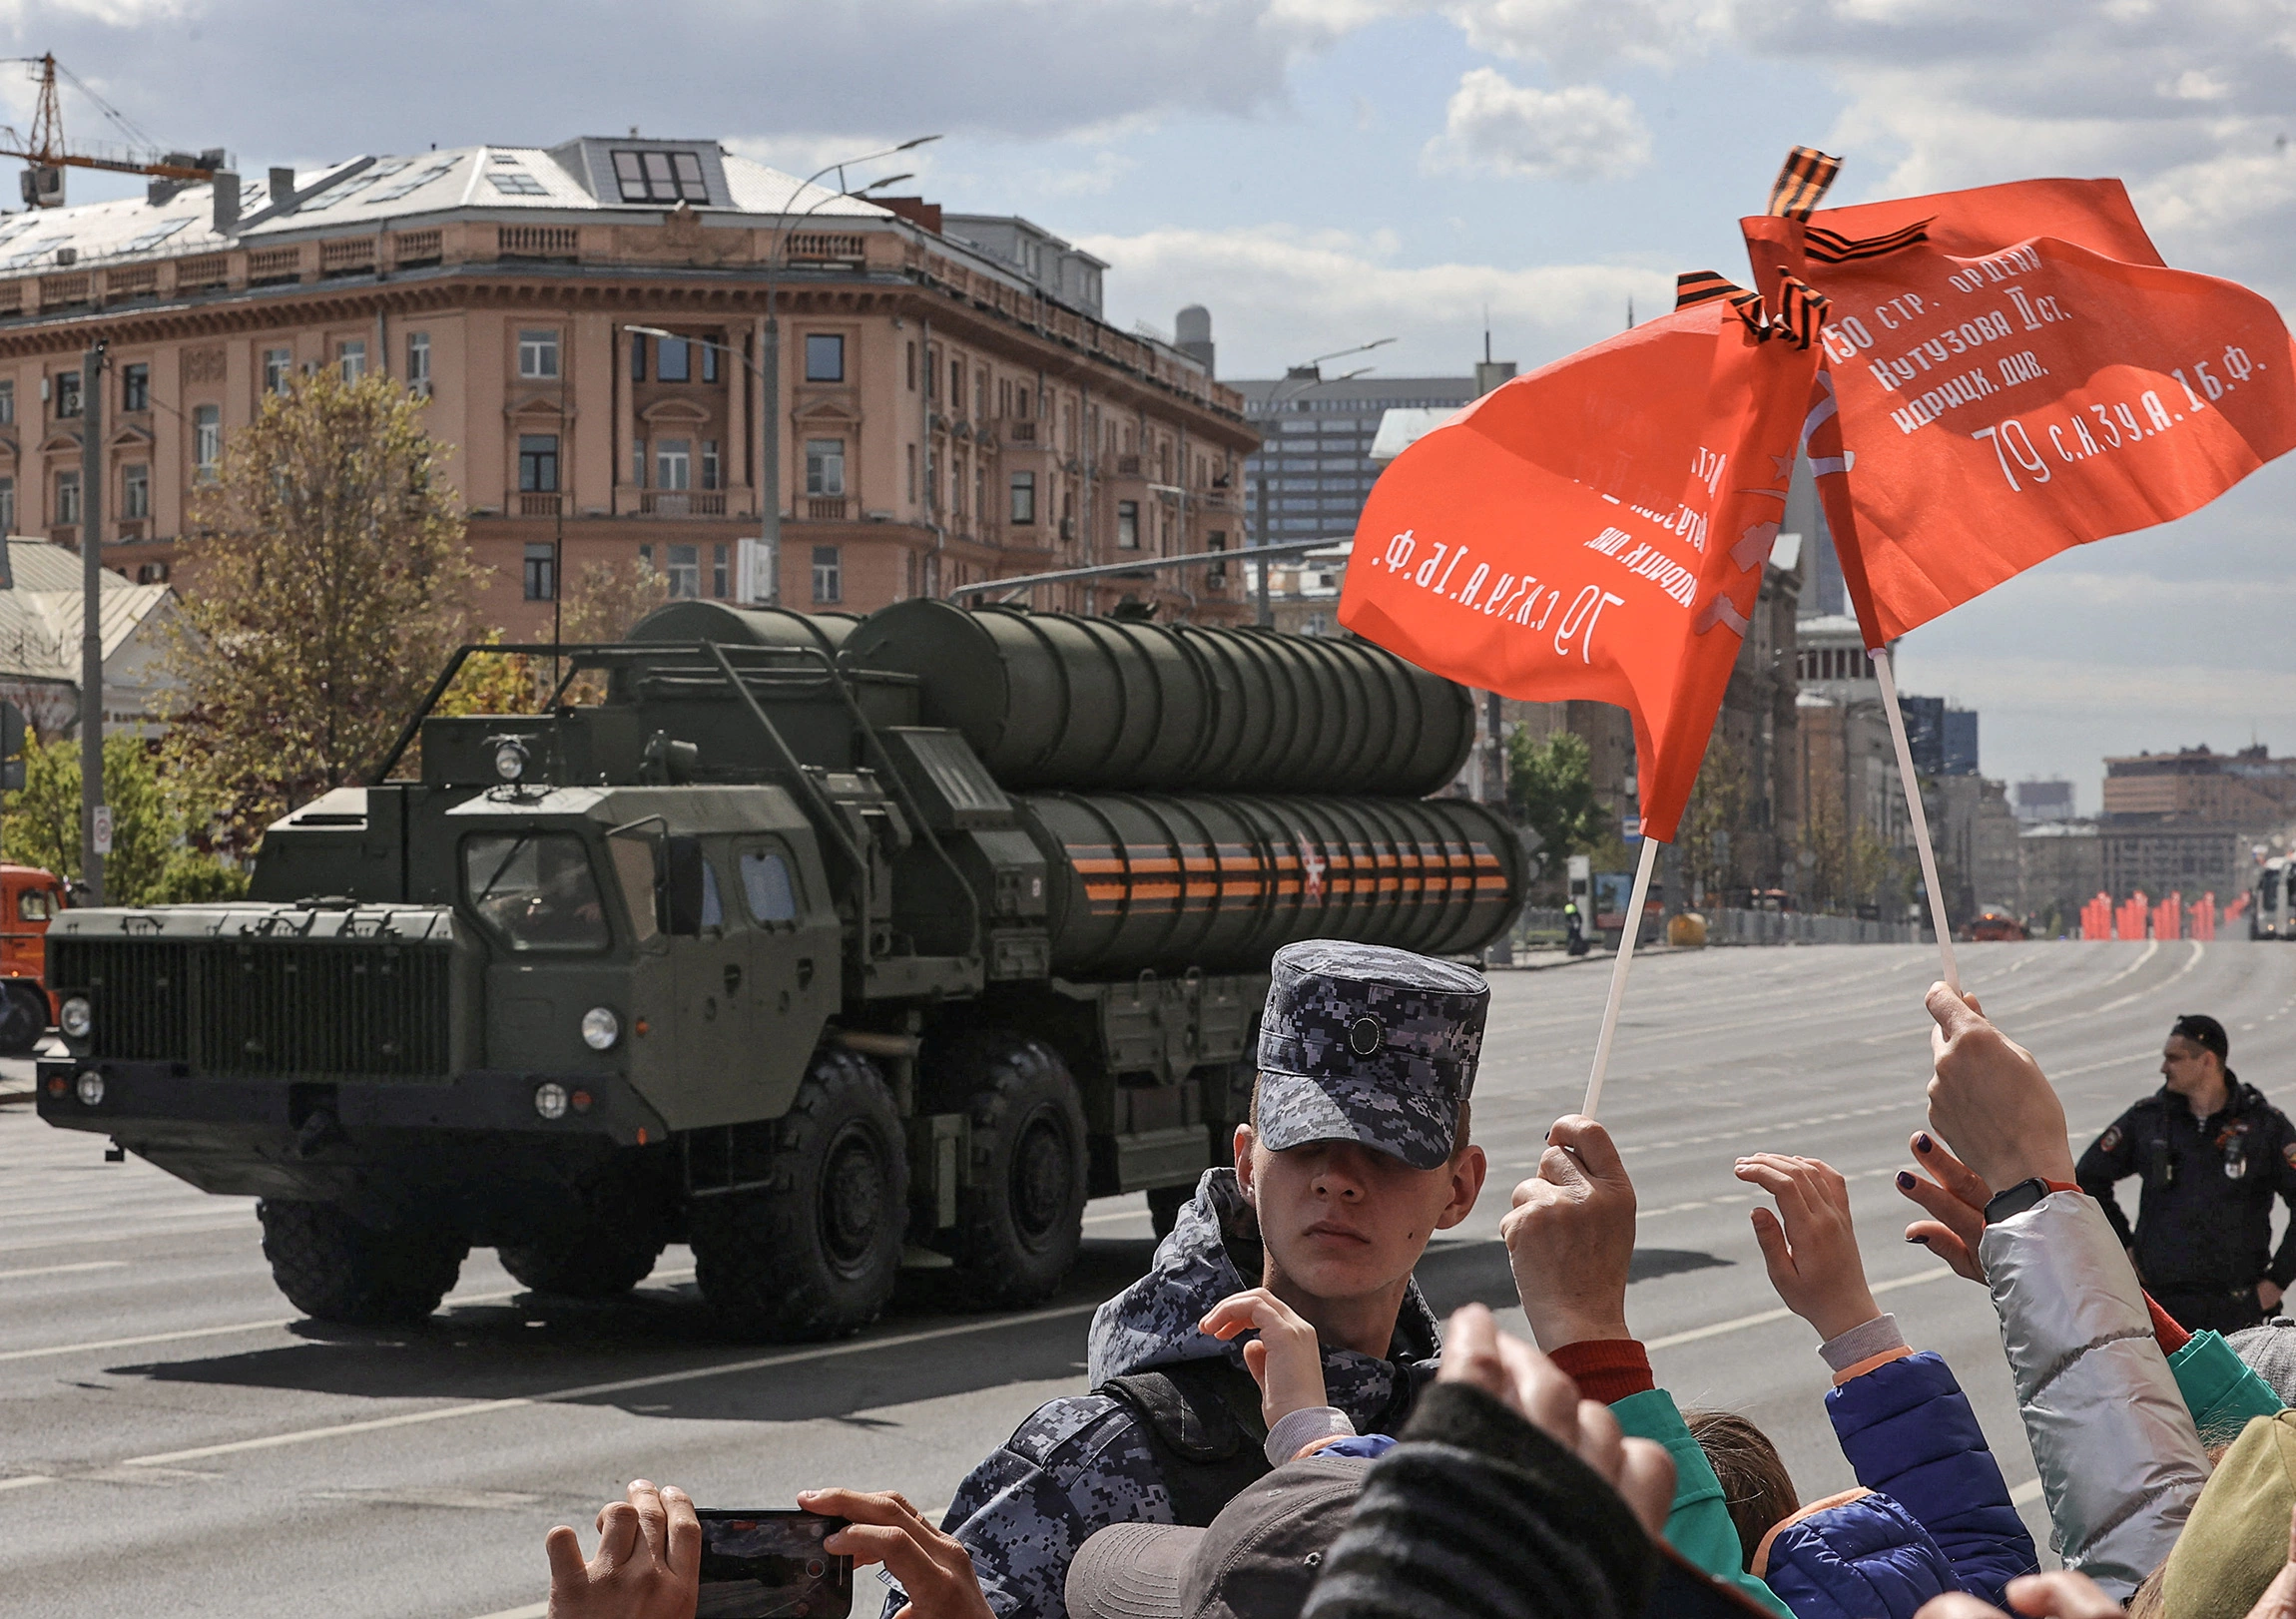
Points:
[1598,528]
[2013,371]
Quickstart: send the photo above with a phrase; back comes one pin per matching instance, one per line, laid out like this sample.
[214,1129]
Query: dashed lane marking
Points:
[65,1270]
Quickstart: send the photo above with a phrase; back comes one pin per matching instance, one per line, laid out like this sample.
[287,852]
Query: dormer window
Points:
[660,177]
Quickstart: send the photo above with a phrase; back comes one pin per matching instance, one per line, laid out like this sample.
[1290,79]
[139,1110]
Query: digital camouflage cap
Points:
[1364,1043]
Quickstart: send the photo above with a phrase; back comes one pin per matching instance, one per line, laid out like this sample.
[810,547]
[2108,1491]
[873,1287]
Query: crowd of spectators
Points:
[1277,1427]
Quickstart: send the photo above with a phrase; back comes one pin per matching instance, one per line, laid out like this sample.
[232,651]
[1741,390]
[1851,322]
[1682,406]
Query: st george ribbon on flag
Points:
[1598,528]
[2009,372]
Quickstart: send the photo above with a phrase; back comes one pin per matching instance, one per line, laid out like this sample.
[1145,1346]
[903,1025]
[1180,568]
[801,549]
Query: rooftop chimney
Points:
[1192,334]
[226,202]
[282,186]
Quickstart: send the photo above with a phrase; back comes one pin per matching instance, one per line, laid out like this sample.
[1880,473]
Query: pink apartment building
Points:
[953,405]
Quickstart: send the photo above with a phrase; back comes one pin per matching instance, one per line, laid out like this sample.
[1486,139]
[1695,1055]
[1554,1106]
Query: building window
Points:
[7,403]
[7,505]
[1216,573]
[660,177]
[537,463]
[67,497]
[829,574]
[711,470]
[206,440]
[1128,525]
[418,363]
[673,360]
[825,357]
[685,570]
[638,463]
[135,490]
[136,388]
[909,365]
[980,394]
[674,463]
[352,356]
[637,358]
[67,393]
[956,384]
[279,370]
[1024,497]
[825,466]
[538,355]
[541,572]
[932,376]
[719,579]
[709,360]
[910,455]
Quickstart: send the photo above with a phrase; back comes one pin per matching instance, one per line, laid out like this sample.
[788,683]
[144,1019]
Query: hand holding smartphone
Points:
[769,1564]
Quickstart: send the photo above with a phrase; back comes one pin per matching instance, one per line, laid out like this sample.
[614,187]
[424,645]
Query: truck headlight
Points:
[511,759]
[90,1085]
[550,1100]
[76,1017]
[600,1028]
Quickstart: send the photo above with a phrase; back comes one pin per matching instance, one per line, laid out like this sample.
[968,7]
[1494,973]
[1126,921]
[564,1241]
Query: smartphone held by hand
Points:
[769,1564]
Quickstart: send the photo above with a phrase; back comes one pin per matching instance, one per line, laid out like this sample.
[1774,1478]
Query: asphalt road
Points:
[172,1440]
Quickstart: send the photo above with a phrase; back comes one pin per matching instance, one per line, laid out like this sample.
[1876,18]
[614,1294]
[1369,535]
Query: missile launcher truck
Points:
[834,947]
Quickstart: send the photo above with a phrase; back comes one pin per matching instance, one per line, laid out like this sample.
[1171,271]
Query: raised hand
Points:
[1285,1359]
[649,1562]
[882,1528]
[1543,1394]
[1990,1099]
[1955,1202]
[2059,1595]
[1810,1245]
[1571,1237]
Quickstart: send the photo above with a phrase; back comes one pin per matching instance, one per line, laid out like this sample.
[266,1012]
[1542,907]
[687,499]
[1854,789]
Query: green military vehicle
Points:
[831,947]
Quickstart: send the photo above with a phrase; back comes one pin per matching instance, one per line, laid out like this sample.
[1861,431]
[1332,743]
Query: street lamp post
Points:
[769,369]
[1295,377]
[92,810]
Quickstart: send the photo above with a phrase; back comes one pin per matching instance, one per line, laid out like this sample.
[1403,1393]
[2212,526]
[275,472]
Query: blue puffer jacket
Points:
[1934,1516]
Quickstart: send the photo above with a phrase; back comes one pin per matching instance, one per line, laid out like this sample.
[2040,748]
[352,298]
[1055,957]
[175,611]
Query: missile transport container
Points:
[835,948]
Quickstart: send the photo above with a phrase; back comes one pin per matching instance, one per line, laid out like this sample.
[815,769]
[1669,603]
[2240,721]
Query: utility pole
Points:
[92,810]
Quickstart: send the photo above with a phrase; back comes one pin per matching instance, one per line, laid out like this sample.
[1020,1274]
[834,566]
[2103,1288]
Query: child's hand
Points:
[1812,1257]
[1286,1360]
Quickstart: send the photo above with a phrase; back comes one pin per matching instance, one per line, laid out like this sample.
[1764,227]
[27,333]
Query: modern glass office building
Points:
[1317,445]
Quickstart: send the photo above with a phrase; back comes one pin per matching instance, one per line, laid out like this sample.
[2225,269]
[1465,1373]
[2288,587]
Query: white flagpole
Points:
[1889,680]
[1618,967]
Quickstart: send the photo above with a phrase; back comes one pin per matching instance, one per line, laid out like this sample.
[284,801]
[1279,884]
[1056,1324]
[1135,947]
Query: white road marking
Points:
[1763,1318]
[2024,1495]
[64,1270]
[258,1327]
[722,1369]
[22,1480]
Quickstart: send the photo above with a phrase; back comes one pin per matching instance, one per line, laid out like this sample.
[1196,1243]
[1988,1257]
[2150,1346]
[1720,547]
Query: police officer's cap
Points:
[1364,1043]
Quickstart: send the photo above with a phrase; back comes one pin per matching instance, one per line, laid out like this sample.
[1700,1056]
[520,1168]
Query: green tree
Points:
[1552,787]
[149,863]
[332,575]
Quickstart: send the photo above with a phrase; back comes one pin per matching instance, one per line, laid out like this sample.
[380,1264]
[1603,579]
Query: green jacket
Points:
[2219,1389]
[1699,1527]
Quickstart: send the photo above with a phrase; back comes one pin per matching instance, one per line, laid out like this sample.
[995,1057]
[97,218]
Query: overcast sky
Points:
[1321,172]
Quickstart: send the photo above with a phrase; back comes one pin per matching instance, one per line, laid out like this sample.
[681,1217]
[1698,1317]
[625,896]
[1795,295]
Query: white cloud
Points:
[1277,295]
[1580,133]
[1578,34]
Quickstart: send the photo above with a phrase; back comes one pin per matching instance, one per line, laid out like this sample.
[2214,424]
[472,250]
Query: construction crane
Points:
[45,149]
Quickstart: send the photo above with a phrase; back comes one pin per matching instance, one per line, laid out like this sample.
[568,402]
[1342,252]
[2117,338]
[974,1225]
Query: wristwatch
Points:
[2016,1200]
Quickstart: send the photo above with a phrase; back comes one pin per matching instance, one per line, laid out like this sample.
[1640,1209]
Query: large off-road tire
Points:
[1021,1215]
[333,1268]
[600,1258]
[23,1016]
[813,1250]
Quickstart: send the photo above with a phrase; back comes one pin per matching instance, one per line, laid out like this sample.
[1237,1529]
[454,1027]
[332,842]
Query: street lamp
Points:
[1294,377]
[769,368]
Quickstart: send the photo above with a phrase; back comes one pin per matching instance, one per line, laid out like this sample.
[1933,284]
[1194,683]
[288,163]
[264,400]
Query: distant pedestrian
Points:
[2213,1154]
[1574,928]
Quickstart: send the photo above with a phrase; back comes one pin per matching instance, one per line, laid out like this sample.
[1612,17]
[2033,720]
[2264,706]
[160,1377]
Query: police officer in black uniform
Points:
[2212,1154]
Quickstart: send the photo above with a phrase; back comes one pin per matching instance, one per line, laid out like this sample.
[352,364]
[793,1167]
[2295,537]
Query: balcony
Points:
[133,529]
[681,502]
[1128,466]
[1020,432]
[825,508]
[532,503]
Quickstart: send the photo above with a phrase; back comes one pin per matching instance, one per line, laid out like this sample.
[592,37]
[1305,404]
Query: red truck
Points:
[30,900]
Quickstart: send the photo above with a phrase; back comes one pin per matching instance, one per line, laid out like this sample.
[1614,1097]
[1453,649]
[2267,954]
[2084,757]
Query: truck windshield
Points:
[536,890]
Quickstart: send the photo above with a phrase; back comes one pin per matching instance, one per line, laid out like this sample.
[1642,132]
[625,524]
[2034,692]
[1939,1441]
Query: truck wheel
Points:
[23,1017]
[1020,1220]
[333,1268]
[598,1259]
[814,1251]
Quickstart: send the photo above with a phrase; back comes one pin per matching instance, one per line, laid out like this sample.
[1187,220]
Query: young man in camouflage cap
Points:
[1356,1155]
